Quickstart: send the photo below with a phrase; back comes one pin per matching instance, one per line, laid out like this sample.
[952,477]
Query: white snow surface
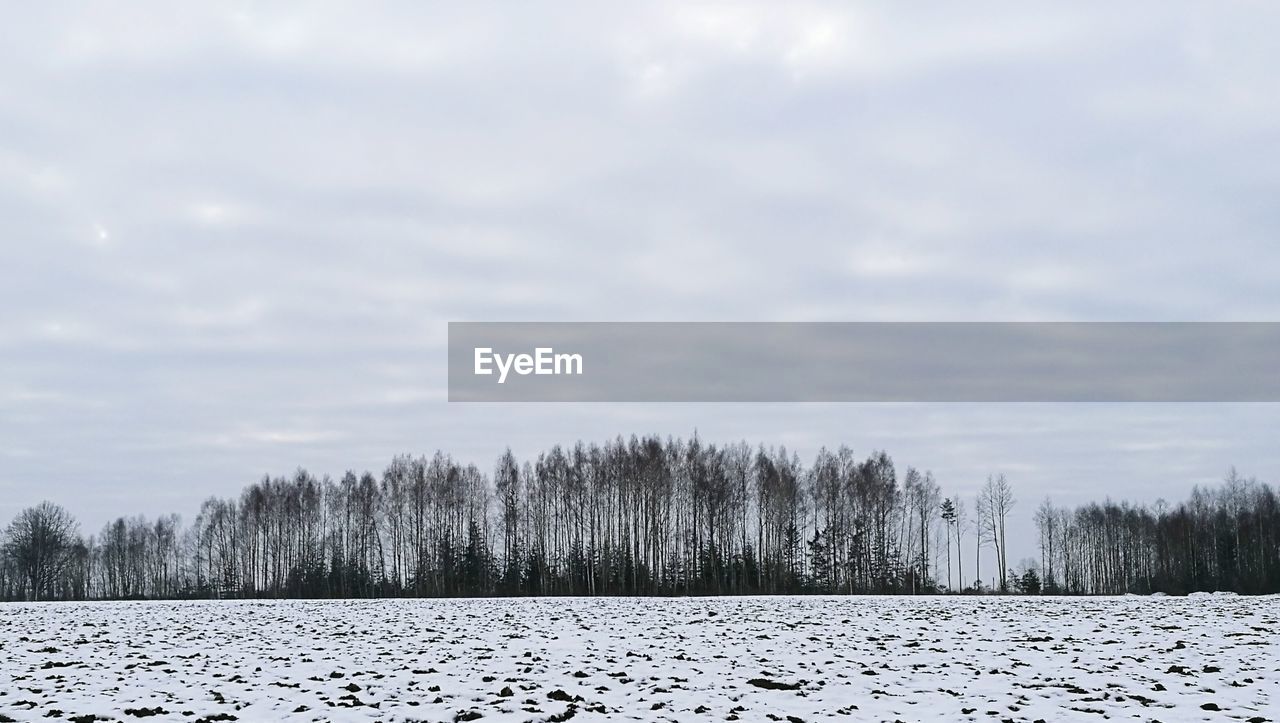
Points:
[683,659]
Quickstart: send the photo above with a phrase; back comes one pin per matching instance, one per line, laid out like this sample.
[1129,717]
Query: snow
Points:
[688,659]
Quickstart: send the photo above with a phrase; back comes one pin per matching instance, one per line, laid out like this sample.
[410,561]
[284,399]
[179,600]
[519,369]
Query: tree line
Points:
[1224,538]
[640,516]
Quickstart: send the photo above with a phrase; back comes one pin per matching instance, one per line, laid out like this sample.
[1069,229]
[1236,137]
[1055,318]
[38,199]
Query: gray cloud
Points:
[233,234]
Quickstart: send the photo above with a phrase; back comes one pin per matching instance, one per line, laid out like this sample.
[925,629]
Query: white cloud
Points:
[880,259]
[250,224]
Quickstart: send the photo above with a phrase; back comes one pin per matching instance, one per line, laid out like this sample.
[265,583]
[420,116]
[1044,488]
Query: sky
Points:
[232,234]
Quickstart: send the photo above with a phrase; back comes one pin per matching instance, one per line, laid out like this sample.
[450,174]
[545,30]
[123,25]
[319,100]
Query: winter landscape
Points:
[257,259]
[785,658]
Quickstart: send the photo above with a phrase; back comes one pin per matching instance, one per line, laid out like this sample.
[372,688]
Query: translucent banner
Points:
[863,362]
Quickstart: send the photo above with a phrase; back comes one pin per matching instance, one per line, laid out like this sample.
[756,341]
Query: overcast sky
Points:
[232,235]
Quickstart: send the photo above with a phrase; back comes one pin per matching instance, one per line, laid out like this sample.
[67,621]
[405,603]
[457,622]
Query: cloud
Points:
[236,218]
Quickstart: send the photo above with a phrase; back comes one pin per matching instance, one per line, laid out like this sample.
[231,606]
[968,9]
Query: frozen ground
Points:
[749,659]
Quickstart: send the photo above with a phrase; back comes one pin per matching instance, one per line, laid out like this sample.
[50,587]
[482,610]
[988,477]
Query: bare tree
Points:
[961,522]
[922,493]
[981,535]
[1046,520]
[507,483]
[41,542]
[995,502]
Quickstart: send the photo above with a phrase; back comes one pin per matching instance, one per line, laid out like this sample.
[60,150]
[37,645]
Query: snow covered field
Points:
[749,659]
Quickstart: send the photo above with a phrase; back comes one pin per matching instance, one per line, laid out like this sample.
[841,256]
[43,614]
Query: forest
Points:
[643,516]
